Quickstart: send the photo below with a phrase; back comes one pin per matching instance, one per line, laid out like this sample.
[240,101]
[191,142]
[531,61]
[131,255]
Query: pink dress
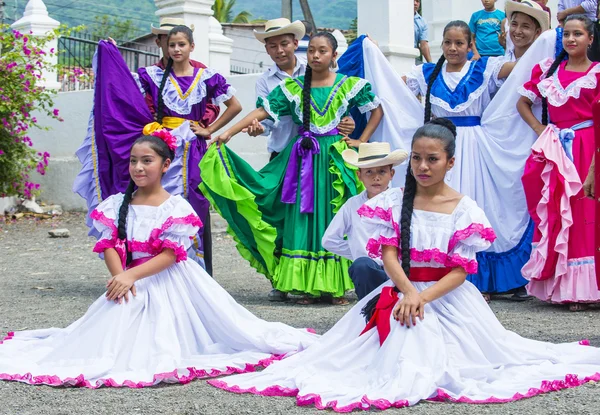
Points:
[562,267]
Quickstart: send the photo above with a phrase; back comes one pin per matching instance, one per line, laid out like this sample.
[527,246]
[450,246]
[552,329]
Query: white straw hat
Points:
[168,23]
[374,155]
[530,8]
[282,26]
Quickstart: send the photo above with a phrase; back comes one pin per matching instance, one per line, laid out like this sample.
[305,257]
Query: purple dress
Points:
[118,118]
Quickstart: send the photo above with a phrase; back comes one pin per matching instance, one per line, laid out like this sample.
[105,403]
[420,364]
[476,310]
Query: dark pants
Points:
[273,155]
[207,244]
[366,275]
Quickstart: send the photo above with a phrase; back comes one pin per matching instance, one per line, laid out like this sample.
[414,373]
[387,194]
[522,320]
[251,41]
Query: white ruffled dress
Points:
[180,326]
[459,352]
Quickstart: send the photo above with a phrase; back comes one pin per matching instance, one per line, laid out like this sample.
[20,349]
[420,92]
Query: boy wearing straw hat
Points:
[345,235]
[525,22]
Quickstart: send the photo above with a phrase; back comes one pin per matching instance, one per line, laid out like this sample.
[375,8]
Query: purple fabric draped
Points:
[120,114]
[307,178]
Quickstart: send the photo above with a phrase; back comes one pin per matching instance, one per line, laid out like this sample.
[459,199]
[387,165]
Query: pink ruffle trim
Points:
[9,336]
[190,219]
[374,245]
[452,261]
[369,212]
[157,246]
[108,222]
[486,233]
[169,377]
[570,381]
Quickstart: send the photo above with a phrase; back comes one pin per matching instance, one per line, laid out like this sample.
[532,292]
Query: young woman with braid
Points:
[562,265]
[176,323]
[179,94]
[279,214]
[431,336]
[487,168]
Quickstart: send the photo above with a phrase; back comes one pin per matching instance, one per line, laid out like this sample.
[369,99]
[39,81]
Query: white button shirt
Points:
[347,222]
[590,6]
[286,130]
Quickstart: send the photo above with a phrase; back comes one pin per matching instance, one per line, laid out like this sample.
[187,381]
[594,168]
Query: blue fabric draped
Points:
[352,64]
[500,272]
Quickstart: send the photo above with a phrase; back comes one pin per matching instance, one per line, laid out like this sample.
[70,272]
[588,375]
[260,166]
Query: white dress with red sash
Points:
[180,326]
[458,352]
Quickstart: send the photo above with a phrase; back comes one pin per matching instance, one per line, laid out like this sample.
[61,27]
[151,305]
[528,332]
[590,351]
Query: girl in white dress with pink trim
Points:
[430,335]
[163,318]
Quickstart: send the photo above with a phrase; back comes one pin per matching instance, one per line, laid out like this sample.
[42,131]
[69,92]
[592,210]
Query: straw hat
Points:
[530,8]
[374,155]
[277,27]
[168,23]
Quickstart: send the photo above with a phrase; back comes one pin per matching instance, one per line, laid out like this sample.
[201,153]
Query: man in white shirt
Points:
[346,235]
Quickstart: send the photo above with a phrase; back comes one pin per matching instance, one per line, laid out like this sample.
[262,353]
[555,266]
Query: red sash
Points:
[389,297]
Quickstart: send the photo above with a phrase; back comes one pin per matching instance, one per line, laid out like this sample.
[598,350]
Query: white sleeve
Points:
[333,239]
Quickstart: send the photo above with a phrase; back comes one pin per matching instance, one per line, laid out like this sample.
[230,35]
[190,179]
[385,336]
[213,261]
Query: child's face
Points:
[180,47]
[376,179]
[576,39]
[320,54]
[455,46]
[429,161]
[146,166]
[489,4]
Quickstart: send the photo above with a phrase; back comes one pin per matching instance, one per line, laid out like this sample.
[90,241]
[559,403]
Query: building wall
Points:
[63,140]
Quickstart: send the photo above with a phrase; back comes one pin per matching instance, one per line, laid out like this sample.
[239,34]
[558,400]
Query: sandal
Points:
[307,301]
[487,297]
[339,301]
[578,307]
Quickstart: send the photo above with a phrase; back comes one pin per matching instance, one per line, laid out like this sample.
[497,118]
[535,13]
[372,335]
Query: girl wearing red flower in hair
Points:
[176,323]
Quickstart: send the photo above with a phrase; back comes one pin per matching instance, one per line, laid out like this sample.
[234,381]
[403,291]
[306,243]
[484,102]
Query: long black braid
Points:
[445,131]
[164,152]
[306,89]
[589,27]
[160,108]
[438,66]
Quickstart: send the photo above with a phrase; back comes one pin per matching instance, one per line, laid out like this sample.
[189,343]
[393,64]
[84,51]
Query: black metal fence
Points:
[77,52]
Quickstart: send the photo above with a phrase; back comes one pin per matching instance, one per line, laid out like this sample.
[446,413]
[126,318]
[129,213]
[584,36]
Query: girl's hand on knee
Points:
[411,306]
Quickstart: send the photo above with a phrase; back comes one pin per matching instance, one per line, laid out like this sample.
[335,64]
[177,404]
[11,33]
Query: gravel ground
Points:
[46,282]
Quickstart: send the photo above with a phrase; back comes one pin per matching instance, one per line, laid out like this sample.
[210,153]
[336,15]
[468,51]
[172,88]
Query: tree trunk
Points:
[286,9]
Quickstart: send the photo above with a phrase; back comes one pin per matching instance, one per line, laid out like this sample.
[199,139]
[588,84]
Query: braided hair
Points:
[164,152]
[306,113]
[160,108]
[589,27]
[441,129]
[438,66]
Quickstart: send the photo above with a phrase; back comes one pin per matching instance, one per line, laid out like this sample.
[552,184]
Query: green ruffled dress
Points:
[275,237]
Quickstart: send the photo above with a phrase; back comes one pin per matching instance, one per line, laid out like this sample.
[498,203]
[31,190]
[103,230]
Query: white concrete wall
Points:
[248,53]
[439,12]
[64,138]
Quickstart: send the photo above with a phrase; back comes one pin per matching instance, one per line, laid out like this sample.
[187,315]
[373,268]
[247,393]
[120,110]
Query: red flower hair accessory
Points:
[167,137]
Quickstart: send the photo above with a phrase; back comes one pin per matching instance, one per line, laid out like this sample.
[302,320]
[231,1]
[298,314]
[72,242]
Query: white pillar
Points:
[193,12]
[36,21]
[391,24]
[342,42]
[220,48]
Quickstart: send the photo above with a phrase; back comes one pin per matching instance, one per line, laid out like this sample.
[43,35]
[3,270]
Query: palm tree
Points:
[223,13]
